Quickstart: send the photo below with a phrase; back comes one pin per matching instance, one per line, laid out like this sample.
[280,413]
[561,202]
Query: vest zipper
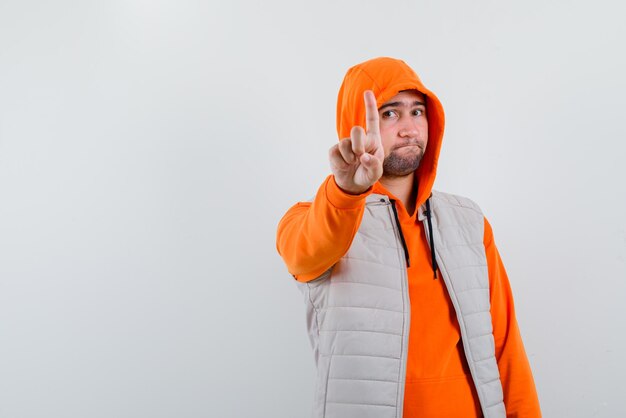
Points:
[406,250]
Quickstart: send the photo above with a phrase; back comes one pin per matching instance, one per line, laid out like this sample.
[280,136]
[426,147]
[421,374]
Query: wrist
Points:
[344,199]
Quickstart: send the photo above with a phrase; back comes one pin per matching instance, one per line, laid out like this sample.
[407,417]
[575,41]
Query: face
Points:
[404,132]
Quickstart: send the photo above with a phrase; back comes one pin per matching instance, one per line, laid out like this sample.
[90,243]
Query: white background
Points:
[148,150]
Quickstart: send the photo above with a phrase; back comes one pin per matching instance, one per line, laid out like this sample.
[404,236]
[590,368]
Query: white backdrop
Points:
[149,148]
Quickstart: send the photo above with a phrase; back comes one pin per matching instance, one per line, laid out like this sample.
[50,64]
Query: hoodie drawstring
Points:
[430,233]
[395,214]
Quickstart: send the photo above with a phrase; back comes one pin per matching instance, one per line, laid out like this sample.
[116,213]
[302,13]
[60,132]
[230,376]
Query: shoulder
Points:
[441,200]
[460,214]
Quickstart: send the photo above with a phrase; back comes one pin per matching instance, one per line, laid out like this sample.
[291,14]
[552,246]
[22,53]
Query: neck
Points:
[403,188]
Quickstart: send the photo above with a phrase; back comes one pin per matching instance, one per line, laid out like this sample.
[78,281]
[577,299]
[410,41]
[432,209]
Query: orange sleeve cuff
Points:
[342,200]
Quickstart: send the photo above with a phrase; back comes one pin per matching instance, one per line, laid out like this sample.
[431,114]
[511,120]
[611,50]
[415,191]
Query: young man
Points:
[409,308]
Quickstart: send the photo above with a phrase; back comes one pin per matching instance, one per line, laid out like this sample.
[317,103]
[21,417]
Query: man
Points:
[409,308]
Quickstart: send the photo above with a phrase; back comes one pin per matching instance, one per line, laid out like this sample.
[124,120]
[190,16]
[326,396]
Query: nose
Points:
[408,129]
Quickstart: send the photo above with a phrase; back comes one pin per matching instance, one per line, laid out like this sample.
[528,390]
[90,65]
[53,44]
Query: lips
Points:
[407,145]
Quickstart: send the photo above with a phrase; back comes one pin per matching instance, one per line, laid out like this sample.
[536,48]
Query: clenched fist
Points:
[357,162]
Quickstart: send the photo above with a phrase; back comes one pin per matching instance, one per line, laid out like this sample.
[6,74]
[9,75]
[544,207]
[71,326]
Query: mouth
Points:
[408,146]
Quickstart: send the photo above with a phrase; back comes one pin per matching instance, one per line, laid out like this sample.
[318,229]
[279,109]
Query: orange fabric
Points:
[520,395]
[313,236]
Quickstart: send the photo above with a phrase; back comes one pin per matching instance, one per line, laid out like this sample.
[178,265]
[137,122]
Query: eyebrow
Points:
[399,104]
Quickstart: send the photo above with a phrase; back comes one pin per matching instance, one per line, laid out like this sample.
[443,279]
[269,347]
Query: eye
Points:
[418,112]
[386,114]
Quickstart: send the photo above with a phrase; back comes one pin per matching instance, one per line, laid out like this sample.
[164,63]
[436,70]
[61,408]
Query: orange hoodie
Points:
[313,236]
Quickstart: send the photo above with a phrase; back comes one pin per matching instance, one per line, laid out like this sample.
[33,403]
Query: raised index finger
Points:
[371,113]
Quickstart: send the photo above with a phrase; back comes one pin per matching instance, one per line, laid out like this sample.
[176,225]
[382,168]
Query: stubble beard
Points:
[396,165]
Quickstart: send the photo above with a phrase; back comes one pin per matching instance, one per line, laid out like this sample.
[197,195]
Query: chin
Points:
[400,167]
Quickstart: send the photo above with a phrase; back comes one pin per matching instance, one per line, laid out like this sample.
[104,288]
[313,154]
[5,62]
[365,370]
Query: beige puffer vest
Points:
[358,312]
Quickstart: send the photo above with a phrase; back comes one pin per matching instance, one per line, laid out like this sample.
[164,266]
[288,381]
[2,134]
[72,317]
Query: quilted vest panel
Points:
[458,225]
[358,312]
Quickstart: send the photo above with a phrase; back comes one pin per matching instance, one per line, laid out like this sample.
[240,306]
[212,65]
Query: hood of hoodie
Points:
[386,77]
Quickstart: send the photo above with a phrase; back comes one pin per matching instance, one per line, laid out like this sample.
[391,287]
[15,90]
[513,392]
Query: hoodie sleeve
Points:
[520,395]
[313,236]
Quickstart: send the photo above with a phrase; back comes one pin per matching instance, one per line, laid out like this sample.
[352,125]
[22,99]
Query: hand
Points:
[357,162]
